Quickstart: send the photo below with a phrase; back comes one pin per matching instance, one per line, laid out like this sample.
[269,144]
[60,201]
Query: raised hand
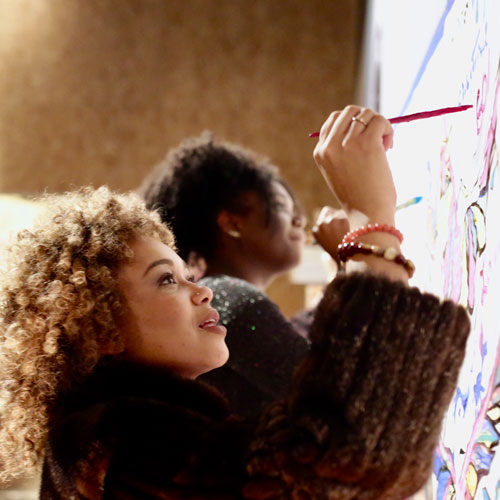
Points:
[329,229]
[351,156]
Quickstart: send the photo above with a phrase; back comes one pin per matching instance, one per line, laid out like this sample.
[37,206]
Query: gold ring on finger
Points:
[360,120]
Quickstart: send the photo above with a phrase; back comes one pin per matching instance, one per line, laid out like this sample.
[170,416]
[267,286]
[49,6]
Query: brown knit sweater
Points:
[361,422]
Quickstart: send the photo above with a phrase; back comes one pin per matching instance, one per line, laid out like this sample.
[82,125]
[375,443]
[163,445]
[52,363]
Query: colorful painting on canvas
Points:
[436,54]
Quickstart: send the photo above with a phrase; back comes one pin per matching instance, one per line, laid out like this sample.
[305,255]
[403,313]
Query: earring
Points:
[233,233]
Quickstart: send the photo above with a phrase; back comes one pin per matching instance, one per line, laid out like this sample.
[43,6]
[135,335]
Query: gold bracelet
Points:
[348,250]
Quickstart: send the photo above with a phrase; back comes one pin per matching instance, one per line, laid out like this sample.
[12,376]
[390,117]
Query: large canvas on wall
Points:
[425,55]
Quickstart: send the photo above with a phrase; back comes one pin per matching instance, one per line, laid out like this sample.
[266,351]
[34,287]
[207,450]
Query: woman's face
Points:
[169,320]
[276,243]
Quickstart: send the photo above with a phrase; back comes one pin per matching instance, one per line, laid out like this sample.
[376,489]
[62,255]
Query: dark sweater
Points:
[361,420]
[264,347]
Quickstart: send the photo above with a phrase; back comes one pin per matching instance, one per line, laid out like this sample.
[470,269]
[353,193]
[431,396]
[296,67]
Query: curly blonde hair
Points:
[59,305]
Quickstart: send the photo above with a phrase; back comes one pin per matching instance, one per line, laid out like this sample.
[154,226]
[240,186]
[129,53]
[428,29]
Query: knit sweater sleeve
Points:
[366,406]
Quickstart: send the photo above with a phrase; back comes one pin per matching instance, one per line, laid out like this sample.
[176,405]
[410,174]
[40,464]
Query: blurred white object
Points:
[16,213]
[316,267]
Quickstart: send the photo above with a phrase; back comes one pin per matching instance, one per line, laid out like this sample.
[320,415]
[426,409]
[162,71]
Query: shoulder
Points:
[229,288]
[264,346]
[253,320]
[233,286]
[237,300]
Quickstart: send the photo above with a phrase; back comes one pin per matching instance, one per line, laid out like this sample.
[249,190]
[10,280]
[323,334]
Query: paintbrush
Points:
[420,116]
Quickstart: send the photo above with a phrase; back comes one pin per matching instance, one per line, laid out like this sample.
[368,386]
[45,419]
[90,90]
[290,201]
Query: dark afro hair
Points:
[200,178]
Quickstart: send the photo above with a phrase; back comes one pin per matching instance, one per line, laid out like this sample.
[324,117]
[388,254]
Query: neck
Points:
[260,278]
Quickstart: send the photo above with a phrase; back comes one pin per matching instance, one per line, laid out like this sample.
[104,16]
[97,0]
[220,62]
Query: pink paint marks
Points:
[471,259]
[484,289]
[481,102]
[452,256]
[490,141]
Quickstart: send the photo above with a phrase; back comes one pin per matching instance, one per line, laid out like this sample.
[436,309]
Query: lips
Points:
[210,323]
[298,236]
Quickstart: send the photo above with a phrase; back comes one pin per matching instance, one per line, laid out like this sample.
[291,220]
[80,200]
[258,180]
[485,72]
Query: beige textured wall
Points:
[96,91]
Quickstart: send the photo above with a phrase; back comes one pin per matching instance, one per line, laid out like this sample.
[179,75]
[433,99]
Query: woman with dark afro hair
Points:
[248,222]
[248,229]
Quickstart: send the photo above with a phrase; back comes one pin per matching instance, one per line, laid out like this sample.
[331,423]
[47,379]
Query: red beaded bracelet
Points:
[348,250]
[372,228]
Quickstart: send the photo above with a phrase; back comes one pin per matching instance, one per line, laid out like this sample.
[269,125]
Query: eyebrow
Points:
[157,263]
[161,262]
[283,198]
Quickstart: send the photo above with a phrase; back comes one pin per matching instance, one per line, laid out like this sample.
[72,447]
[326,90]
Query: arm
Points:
[367,404]
[351,156]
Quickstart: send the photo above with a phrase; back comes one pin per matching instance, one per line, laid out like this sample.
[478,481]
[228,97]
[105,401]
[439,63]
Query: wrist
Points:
[389,269]
[381,239]
[379,247]
[383,217]
[385,260]
[357,218]
[375,234]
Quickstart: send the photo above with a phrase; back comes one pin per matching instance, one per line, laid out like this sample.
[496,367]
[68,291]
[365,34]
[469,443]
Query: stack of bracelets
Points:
[350,247]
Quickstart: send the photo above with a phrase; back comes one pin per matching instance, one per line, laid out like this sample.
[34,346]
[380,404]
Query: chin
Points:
[225,358]
[221,358]
[214,366]
[294,259]
[285,266]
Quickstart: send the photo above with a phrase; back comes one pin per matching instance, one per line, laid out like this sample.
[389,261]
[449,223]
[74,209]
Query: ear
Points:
[230,223]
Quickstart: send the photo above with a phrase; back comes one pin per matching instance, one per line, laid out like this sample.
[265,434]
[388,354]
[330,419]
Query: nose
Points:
[202,295]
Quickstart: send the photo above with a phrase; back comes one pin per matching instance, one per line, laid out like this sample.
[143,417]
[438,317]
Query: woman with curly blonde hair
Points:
[103,334]
[59,308]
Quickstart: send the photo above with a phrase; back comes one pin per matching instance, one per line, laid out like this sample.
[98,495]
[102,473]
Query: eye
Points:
[277,205]
[191,278]
[167,279]
[283,209]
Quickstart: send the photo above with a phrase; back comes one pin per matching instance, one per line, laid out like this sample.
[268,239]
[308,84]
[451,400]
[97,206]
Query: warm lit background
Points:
[96,91]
